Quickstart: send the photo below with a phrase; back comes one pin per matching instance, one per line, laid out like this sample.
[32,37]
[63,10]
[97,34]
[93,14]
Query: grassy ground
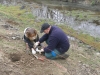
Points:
[83,60]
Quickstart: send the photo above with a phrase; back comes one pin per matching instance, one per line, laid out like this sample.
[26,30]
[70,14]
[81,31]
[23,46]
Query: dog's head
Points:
[30,33]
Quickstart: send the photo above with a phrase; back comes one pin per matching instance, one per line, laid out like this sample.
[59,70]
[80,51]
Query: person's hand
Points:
[39,51]
[36,44]
[33,51]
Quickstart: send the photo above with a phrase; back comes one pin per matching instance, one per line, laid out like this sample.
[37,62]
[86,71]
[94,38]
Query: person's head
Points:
[45,28]
[31,33]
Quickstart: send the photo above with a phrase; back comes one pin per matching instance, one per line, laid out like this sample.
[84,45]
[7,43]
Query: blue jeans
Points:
[50,56]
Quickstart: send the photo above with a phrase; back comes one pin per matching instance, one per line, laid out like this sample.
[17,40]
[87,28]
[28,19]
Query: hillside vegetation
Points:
[84,52]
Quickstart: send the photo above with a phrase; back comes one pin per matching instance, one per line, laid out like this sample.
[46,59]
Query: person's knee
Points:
[48,55]
[51,55]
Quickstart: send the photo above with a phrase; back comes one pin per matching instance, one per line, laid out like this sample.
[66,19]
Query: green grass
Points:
[26,19]
[82,15]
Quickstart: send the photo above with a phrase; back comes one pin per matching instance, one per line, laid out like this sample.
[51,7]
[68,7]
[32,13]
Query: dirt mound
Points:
[14,59]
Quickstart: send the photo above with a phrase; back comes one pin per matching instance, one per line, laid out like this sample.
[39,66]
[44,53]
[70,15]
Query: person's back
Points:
[59,38]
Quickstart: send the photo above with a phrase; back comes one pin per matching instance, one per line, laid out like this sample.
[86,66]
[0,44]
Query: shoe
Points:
[62,56]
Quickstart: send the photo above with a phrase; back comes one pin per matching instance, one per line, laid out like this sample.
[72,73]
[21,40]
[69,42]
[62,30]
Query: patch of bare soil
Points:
[14,59]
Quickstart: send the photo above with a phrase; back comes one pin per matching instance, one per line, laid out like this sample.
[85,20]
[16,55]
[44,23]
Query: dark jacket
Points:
[30,43]
[57,39]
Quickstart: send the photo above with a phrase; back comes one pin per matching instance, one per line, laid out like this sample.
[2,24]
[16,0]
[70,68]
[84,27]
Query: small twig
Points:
[35,56]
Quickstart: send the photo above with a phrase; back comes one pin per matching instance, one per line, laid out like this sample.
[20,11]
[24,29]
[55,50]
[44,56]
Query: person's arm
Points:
[42,39]
[28,43]
[53,41]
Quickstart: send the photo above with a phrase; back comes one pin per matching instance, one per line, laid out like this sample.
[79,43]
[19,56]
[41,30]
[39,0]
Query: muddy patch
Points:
[14,57]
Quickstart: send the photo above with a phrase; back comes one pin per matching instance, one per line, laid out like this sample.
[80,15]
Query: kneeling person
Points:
[57,41]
